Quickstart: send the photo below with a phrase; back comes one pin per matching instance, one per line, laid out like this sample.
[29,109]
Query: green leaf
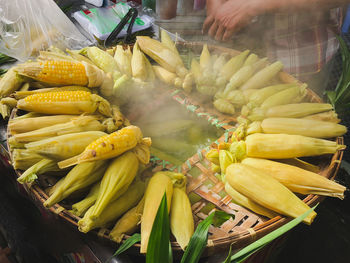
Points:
[243,254]
[158,243]
[228,258]
[126,245]
[331,97]
[199,238]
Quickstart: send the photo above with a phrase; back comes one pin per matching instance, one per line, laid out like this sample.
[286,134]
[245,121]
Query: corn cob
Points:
[114,209]
[248,203]
[297,110]
[196,70]
[301,164]
[64,146]
[150,73]
[29,124]
[22,94]
[80,124]
[82,206]
[102,59]
[160,182]
[330,116]
[266,191]
[65,102]
[262,77]
[128,223]
[219,63]
[181,219]
[164,75]
[296,179]
[81,176]
[251,59]
[22,159]
[294,94]
[162,55]
[281,146]
[43,166]
[119,175]
[123,60]
[108,146]
[10,82]
[231,67]
[138,64]
[225,158]
[311,128]
[224,106]
[168,42]
[5,111]
[166,127]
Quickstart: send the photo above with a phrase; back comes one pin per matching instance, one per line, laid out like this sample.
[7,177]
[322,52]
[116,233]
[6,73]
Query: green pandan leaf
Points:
[126,245]
[158,243]
[260,243]
[200,237]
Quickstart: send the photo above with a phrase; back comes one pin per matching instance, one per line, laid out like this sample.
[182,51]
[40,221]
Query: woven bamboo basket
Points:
[246,226]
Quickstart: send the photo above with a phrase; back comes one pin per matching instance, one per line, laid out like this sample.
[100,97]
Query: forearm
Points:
[301,5]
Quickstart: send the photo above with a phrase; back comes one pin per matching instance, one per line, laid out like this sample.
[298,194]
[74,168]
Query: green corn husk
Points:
[79,124]
[294,94]
[64,146]
[296,179]
[244,201]
[266,191]
[225,158]
[262,77]
[297,110]
[81,176]
[5,111]
[128,223]
[41,167]
[213,156]
[10,82]
[82,206]
[119,175]
[261,95]
[22,159]
[21,125]
[115,209]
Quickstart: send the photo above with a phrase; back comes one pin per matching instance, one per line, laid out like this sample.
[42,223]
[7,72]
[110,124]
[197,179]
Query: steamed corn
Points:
[266,191]
[82,206]
[43,166]
[261,95]
[296,179]
[297,110]
[102,59]
[9,83]
[22,159]
[22,94]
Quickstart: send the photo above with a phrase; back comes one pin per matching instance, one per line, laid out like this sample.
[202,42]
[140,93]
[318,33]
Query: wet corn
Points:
[31,174]
[102,59]
[82,206]
[138,64]
[261,95]
[266,191]
[296,179]
[123,60]
[164,75]
[22,159]
[9,83]
[81,176]
[330,116]
[22,94]
[298,110]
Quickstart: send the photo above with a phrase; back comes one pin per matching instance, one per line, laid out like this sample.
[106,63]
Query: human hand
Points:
[232,16]
[212,7]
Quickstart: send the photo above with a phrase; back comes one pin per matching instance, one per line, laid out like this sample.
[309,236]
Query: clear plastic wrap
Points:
[27,26]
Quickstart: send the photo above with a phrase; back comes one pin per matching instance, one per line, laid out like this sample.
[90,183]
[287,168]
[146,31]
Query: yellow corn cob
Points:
[248,203]
[108,146]
[281,146]
[115,209]
[294,94]
[231,67]
[29,124]
[296,179]
[160,183]
[22,94]
[181,218]
[10,82]
[43,166]
[82,206]
[128,223]
[123,60]
[330,116]
[297,110]
[164,75]
[266,191]
[167,41]
[65,102]
[262,77]
[55,72]
[22,159]
[81,176]
[64,146]
[138,64]
[311,128]
[102,59]
[251,59]
[162,55]
[119,175]
[79,124]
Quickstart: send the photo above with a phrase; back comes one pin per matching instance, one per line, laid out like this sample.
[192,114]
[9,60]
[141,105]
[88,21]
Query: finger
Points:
[219,33]
[207,23]
[228,34]
[213,29]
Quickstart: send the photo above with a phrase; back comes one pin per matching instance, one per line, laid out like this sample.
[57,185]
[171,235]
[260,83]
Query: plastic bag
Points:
[27,26]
